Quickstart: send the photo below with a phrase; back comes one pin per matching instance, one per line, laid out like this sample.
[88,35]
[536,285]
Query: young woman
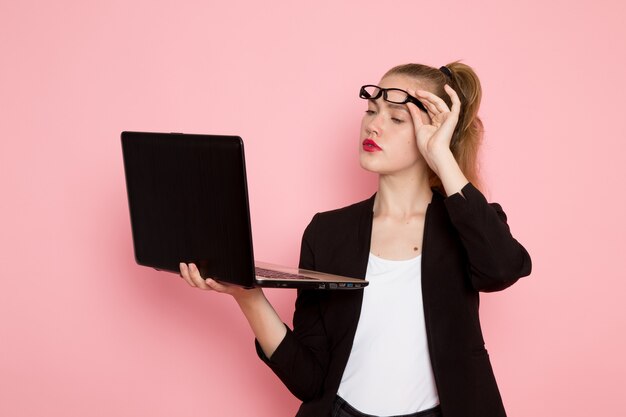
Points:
[409,344]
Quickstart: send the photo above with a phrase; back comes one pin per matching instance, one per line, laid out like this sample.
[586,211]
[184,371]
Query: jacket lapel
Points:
[365,235]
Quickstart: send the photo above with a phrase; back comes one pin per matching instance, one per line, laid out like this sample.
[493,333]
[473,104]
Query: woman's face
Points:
[387,141]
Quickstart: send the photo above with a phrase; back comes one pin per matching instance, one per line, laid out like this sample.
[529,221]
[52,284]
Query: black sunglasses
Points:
[391,95]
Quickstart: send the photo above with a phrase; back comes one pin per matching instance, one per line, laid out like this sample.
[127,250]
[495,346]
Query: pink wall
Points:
[84,331]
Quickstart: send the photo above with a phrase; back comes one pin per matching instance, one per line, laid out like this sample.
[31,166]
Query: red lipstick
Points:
[371,146]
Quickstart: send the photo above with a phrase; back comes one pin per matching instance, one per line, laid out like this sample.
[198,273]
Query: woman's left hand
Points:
[434,133]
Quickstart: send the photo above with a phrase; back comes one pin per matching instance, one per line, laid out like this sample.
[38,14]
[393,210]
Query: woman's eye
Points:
[370,112]
[396,120]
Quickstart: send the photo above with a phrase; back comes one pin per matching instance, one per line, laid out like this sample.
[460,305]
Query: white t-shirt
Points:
[389,370]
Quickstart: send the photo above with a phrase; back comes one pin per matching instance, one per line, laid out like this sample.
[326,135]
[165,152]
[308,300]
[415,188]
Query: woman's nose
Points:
[374,125]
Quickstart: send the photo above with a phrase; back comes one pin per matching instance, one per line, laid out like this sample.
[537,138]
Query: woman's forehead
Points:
[403,82]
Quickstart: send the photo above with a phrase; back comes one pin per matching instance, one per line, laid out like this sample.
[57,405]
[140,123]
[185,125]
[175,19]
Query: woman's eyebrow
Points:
[392,105]
[398,106]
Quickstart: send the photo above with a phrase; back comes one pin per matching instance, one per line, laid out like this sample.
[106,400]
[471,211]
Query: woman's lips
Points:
[370,146]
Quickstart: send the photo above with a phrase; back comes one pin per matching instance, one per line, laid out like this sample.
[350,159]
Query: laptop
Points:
[188,202]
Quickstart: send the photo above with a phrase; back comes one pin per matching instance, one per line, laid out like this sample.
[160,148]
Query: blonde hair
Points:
[468,134]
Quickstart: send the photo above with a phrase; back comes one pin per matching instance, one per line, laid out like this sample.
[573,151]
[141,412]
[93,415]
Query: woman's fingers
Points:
[427,98]
[191,274]
[432,102]
[216,286]
[194,273]
[184,272]
[456,101]
[416,115]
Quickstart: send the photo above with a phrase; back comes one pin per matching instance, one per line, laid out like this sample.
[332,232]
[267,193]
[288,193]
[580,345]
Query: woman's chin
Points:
[371,166]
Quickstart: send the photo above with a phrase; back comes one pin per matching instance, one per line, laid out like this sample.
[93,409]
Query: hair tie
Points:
[446,71]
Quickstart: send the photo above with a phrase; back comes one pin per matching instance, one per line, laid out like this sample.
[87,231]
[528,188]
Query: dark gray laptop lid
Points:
[172,180]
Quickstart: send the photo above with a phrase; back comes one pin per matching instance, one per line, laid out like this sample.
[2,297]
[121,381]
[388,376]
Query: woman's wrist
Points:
[449,172]
[248,298]
[439,160]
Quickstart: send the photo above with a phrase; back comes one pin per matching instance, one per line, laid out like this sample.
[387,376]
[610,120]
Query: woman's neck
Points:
[402,196]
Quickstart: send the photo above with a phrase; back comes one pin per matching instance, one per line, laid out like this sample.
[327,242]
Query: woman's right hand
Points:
[191,274]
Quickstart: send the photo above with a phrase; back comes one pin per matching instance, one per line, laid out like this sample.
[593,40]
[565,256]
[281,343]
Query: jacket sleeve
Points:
[496,259]
[301,359]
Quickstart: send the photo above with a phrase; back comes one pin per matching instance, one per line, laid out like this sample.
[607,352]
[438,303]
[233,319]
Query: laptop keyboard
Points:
[269,273]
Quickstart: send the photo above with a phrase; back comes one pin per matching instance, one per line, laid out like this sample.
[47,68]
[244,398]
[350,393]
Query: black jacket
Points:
[467,248]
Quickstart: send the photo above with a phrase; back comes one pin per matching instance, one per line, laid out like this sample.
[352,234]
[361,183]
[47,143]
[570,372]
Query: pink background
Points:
[85,331]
